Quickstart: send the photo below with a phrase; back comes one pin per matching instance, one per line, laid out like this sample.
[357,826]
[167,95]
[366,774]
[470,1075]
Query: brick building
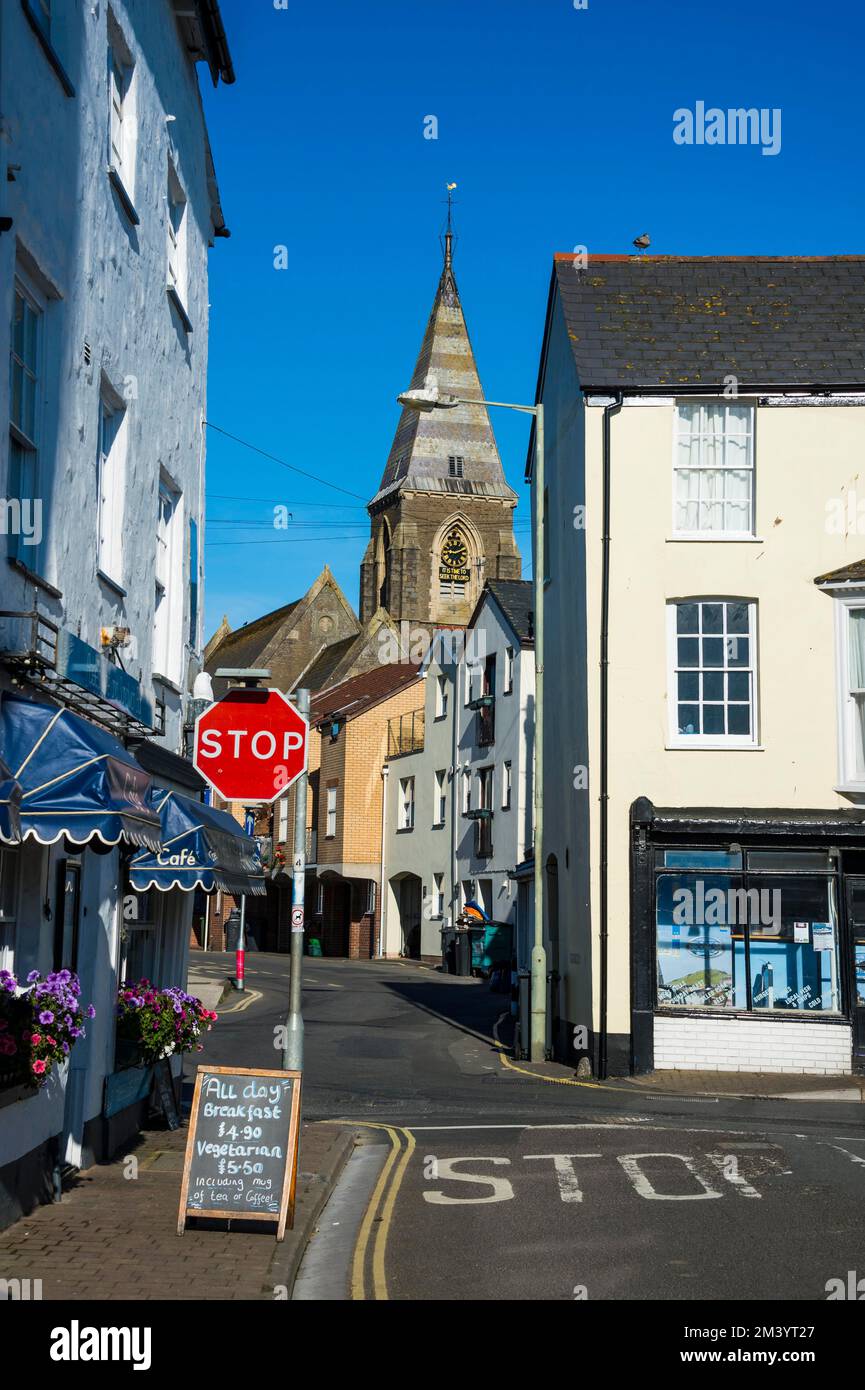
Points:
[351,730]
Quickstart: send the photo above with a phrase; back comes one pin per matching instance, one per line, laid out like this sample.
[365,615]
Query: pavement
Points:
[114,1234]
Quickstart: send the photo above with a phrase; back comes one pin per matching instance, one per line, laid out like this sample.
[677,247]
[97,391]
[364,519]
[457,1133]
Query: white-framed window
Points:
[509,671]
[330,824]
[141,938]
[282,820]
[850,650]
[485,788]
[176,226]
[122,124]
[111,466]
[713,491]
[473,672]
[9,867]
[467,791]
[23,518]
[441,697]
[440,797]
[712,672]
[406,803]
[167,618]
[438,895]
[506,786]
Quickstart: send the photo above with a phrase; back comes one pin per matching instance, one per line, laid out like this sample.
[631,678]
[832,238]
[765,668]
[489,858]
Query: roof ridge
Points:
[601,256]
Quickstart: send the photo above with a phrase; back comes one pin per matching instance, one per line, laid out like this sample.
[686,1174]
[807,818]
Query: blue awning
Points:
[76,779]
[201,848]
[10,802]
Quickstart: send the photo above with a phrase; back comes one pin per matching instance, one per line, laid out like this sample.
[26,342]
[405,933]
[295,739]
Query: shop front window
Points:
[732,935]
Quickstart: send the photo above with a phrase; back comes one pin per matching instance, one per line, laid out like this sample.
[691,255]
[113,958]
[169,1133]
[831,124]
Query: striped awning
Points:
[76,780]
[201,848]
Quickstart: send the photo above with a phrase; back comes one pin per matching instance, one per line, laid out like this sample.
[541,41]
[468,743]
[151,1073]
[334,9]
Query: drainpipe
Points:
[383,888]
[456,785]
[538,1029]
[609,411]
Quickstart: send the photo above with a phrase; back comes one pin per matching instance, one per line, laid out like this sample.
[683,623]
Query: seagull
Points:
[643,241]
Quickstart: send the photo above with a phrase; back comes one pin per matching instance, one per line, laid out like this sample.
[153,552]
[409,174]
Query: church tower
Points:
[442,521]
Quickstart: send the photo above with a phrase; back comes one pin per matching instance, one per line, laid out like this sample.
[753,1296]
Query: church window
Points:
[455,466]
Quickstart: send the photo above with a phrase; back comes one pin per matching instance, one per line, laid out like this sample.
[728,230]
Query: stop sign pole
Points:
[250,746]
[292,1054]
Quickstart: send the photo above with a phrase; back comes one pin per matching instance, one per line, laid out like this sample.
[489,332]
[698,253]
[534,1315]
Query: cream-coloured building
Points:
[704,765]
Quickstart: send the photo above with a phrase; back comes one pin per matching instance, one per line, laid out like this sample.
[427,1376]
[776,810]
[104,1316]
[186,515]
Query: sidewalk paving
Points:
[114,1237]
[758,1085]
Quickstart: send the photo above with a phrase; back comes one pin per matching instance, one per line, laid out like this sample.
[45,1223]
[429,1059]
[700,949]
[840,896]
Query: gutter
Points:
[215,37]
[609,411]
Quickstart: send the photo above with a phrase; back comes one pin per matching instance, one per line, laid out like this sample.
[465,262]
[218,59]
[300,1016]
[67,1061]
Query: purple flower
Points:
[91,1012]
[46,1016]
[34,975]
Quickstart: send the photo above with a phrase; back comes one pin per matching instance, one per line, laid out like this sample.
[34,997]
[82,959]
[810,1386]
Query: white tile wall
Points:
[759,1044]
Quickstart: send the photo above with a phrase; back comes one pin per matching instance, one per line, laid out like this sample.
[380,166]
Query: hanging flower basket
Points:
[154,1023]
[40,1023]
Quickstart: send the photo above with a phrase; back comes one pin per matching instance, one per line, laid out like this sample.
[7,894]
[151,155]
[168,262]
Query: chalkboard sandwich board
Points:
[241,1152]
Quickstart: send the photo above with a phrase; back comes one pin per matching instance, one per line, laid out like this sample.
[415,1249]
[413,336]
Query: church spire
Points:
[453,451]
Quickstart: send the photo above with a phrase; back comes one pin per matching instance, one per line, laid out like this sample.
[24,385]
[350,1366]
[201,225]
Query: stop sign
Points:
[251,745]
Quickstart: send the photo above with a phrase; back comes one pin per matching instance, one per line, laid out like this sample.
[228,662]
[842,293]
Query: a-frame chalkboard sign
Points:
[241,1151]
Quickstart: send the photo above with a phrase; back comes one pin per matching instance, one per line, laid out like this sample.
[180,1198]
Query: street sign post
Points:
[250,746]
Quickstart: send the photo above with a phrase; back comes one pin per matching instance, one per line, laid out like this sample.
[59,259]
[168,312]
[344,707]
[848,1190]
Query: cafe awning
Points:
[10,803]
[76,779]
[201,848]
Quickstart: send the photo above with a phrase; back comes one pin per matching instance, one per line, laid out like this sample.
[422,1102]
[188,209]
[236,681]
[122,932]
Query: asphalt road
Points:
[489,1184]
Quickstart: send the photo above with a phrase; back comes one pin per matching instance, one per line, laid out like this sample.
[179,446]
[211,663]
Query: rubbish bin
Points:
[232,929]
[463,951]
[449,950]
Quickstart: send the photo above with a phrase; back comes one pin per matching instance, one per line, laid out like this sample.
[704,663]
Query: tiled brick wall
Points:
[745,1044]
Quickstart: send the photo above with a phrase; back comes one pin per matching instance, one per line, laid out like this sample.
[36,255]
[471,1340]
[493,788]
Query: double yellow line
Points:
[379,1213]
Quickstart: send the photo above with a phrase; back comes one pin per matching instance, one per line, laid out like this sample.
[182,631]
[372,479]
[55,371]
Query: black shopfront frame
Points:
[713,829]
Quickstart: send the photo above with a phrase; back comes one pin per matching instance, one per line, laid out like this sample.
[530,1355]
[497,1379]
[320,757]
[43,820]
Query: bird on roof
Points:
[641,242]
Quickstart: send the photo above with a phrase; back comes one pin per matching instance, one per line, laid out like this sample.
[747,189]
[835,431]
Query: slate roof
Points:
[691,321]
[321,670]
[424,442]
[359,693]
[848,574]
[243,647]
[516,599]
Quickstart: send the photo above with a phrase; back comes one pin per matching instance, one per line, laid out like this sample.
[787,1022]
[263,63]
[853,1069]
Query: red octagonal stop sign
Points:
[251,745]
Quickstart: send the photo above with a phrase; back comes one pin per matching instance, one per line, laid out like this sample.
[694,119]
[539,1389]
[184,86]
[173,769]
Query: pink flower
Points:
[39,1067]
[53,1042]
[36,1038]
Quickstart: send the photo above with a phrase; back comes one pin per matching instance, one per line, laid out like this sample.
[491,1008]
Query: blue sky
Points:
[556,124]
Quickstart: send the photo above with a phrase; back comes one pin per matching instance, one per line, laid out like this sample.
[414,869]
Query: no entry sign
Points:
[251,745]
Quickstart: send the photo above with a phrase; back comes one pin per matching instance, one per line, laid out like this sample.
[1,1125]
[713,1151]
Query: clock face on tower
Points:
[454,558]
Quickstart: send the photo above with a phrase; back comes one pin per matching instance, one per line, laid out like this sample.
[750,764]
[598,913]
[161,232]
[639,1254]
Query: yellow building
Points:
[705,662]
